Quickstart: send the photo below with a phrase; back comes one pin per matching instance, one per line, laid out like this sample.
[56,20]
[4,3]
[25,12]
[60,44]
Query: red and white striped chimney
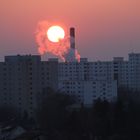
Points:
[72,38]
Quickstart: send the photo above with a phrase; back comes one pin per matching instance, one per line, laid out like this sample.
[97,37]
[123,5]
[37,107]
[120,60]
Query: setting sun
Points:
[55,33]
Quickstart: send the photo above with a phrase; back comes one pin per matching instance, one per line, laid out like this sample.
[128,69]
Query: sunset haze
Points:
[104,28]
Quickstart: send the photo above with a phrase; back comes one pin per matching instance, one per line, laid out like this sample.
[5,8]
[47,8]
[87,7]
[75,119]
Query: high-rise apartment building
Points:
[25,79]
[22,81]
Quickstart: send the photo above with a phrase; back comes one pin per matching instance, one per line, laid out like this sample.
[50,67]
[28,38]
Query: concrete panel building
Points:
[25,79]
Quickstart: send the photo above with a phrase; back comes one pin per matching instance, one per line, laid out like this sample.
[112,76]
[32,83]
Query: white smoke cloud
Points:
[61,49]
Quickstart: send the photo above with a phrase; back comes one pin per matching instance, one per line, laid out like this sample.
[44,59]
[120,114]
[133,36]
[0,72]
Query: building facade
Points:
[25,79]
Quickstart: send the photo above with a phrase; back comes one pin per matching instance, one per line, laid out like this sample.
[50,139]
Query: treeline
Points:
[61,119]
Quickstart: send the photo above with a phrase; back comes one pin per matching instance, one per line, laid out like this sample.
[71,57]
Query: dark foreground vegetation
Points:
[61,119]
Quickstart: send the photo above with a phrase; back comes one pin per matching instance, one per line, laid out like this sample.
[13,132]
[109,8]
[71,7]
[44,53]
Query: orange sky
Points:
[105,28]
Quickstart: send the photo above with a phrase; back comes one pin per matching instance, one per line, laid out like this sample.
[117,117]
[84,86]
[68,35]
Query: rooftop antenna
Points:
[131,46]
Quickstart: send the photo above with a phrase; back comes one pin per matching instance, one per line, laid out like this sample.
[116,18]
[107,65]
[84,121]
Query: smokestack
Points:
[72,38]
[71,55]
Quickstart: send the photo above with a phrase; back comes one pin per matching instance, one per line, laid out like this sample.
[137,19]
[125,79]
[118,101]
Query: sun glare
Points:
[55,33]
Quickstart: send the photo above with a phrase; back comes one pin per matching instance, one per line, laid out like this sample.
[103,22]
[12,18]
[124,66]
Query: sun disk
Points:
[55,33]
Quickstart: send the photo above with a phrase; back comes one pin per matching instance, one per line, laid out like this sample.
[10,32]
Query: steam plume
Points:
[60,49]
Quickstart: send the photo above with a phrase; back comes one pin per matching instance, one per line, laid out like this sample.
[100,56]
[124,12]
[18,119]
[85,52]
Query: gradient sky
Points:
[104,28]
